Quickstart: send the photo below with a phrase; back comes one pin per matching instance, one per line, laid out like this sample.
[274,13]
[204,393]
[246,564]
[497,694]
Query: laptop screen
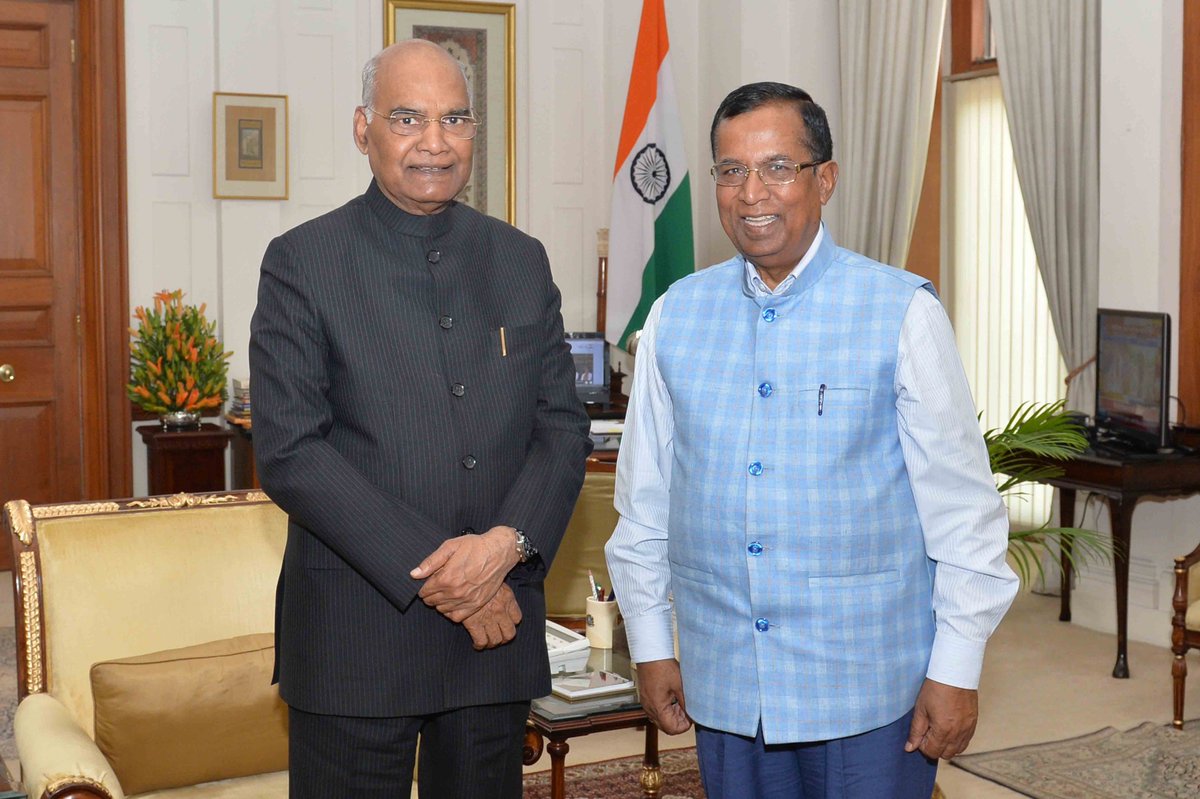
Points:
[590,353]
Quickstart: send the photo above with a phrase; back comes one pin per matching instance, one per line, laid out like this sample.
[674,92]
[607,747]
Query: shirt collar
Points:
[755,286]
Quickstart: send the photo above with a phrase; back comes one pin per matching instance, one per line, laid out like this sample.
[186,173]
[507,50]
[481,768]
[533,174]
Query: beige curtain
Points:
[889,61]
[1049,72]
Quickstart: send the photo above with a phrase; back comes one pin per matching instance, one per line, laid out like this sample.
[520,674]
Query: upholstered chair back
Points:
[119,579]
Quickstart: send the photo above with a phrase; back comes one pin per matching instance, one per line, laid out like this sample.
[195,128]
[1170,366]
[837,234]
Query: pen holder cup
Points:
[601,619]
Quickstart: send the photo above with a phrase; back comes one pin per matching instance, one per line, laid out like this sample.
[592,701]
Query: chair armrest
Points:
[58,759]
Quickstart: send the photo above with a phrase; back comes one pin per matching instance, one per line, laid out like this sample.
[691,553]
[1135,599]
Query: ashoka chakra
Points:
[650,173]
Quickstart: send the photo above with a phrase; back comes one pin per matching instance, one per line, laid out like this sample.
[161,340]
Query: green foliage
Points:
[175,360]
[1023,453]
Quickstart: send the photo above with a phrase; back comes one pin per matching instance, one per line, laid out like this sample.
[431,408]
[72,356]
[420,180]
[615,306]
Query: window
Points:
[991,281]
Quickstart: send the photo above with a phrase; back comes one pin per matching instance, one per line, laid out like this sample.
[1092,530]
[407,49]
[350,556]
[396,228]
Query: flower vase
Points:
[176,421]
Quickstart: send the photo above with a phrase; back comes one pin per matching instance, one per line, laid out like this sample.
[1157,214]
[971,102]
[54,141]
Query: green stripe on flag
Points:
[673,257]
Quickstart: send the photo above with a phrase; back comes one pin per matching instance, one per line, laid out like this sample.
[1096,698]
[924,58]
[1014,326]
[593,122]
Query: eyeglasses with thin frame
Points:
[410,123]
[774,173]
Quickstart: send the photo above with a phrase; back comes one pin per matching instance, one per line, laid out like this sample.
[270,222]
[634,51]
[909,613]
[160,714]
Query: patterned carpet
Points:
[612,779]
[1151,761]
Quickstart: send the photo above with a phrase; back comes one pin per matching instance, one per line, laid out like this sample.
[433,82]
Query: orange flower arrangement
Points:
[175,360]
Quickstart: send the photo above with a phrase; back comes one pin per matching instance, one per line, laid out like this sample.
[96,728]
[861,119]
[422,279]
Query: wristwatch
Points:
[526,551]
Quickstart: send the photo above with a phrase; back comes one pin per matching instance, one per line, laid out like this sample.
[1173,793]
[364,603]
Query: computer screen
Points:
[1133,362]
[590,352]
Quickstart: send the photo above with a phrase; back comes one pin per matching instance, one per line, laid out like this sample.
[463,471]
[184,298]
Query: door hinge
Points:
[78,325]
[72,51]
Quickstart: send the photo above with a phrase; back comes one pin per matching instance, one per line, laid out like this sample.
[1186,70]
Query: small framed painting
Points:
[250,146]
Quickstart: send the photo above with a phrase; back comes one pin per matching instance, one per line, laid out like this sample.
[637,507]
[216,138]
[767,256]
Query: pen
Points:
[503,345]
[820,399]
[591,578]
[612,595]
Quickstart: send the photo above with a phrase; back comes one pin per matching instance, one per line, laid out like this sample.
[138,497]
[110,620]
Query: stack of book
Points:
[239,406]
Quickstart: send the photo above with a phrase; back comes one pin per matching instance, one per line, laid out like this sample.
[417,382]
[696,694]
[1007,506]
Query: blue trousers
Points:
[872,765]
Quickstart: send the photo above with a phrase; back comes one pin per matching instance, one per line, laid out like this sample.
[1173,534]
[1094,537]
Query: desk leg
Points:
[652,779]
[1066,517]
[1120,513]
[558,757]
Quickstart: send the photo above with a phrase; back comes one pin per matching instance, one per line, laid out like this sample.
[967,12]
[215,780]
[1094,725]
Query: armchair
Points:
[1185,624]
[128,615]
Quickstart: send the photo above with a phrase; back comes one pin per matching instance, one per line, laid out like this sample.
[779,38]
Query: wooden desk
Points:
[1122,483]
[602,460]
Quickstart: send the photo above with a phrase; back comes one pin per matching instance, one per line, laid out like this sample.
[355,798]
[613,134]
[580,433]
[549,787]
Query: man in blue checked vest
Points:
[804,482]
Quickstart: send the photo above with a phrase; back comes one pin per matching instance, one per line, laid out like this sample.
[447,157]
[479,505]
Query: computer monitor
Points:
[590,352]
[1133,376]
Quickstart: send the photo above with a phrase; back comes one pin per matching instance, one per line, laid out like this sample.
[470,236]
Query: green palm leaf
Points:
[1035,433]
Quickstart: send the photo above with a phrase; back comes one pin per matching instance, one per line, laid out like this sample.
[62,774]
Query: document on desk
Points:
[606,433]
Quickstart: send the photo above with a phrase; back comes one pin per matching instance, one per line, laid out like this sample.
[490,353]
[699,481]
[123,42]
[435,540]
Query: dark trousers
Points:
[872,765]
[469,753]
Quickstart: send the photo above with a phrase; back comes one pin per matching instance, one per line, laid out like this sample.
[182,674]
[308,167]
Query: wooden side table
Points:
[185,460]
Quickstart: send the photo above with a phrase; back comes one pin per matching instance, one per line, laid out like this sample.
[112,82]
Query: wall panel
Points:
[170,100]
[311,112]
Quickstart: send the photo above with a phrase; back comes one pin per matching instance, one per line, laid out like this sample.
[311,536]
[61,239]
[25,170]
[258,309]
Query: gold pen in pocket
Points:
[503,345]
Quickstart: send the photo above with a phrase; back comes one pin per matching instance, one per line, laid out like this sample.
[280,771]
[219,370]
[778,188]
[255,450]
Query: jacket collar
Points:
[403,222]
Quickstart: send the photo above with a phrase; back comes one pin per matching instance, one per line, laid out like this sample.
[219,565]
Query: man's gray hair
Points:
[370,79]
[369,73]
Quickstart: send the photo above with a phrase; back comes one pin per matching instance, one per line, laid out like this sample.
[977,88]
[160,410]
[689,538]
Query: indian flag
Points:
[650,238]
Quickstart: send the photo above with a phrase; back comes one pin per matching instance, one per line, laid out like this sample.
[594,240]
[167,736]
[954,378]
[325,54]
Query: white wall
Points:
[1141,52]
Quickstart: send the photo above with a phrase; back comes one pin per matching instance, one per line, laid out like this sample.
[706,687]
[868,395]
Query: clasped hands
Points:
[464,581]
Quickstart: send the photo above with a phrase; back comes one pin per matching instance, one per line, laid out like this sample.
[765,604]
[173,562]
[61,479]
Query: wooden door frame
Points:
[1188,323]
[104,255]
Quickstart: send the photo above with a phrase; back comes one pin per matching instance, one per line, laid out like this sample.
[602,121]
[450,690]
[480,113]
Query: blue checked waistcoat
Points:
[802,588]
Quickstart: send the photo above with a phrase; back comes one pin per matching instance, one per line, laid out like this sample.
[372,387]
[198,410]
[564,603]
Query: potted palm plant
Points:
[1023,452]
[177,366]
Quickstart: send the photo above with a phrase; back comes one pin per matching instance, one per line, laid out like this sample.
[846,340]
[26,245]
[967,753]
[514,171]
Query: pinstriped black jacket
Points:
[389,415]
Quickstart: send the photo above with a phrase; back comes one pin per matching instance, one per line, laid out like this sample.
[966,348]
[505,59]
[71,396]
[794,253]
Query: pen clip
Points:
[821,400]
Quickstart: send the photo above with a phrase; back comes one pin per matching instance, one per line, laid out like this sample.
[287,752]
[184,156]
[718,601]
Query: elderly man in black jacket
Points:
[416,417]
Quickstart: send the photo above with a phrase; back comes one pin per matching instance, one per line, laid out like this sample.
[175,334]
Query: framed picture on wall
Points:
[250,146]
[482,37]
